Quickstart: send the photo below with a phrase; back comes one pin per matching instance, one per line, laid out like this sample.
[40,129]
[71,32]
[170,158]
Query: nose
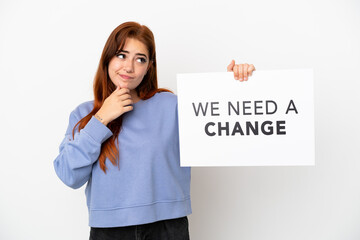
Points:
[129,66]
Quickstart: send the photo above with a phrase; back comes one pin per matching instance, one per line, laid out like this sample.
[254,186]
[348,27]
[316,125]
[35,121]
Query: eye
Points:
[141,60]
[120,55]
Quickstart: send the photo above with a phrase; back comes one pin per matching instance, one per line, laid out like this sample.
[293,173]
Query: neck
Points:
[135,98]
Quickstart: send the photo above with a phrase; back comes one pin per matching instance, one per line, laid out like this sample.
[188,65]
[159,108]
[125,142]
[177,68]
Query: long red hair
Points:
[103,86]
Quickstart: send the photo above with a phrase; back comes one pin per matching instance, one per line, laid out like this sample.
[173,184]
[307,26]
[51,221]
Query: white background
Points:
[49,51]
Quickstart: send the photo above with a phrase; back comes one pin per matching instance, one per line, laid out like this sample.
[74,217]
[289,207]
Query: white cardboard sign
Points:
[265,121]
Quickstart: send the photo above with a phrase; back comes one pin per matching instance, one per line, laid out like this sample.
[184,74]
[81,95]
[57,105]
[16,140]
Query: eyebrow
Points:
[138,54]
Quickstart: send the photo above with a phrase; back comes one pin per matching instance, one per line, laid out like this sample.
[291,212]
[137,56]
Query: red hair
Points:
[103,86]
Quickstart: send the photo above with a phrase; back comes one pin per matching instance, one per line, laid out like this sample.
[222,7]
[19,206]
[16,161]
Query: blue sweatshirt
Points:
[148,185]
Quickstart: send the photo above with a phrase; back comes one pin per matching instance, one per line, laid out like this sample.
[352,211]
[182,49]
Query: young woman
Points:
[125,145]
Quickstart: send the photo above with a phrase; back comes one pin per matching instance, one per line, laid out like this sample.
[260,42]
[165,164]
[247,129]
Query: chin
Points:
[124,85]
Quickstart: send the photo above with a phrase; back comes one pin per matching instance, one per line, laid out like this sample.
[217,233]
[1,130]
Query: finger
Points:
[123,91]
[127,102]
[128,108]
[236,72]
[251,69]
[231,66]
[117,88]
[246,71]
[124,97]
[241,72]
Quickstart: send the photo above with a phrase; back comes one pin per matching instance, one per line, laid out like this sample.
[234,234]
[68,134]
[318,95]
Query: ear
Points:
[148,67]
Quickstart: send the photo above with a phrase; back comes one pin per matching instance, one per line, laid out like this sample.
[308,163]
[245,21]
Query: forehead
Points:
[135,46]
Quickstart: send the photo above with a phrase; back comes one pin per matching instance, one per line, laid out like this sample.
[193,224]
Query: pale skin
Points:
[128,68]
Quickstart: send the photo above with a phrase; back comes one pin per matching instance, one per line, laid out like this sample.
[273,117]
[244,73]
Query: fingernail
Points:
[241,79]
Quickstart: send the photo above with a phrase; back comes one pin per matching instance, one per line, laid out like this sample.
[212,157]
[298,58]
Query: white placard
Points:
[265,121]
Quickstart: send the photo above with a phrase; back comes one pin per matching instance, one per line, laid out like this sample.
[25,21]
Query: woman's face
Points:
[128,68]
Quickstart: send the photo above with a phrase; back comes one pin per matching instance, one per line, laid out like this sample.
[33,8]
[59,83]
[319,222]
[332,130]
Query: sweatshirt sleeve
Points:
[76,156]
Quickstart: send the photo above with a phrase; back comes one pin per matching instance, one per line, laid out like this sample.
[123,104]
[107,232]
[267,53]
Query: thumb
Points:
[231,66]
[117,88]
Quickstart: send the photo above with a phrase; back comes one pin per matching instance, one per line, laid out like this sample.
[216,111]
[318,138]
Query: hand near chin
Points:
[115,105]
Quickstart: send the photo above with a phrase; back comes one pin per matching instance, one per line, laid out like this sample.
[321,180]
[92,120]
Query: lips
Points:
[125,77]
